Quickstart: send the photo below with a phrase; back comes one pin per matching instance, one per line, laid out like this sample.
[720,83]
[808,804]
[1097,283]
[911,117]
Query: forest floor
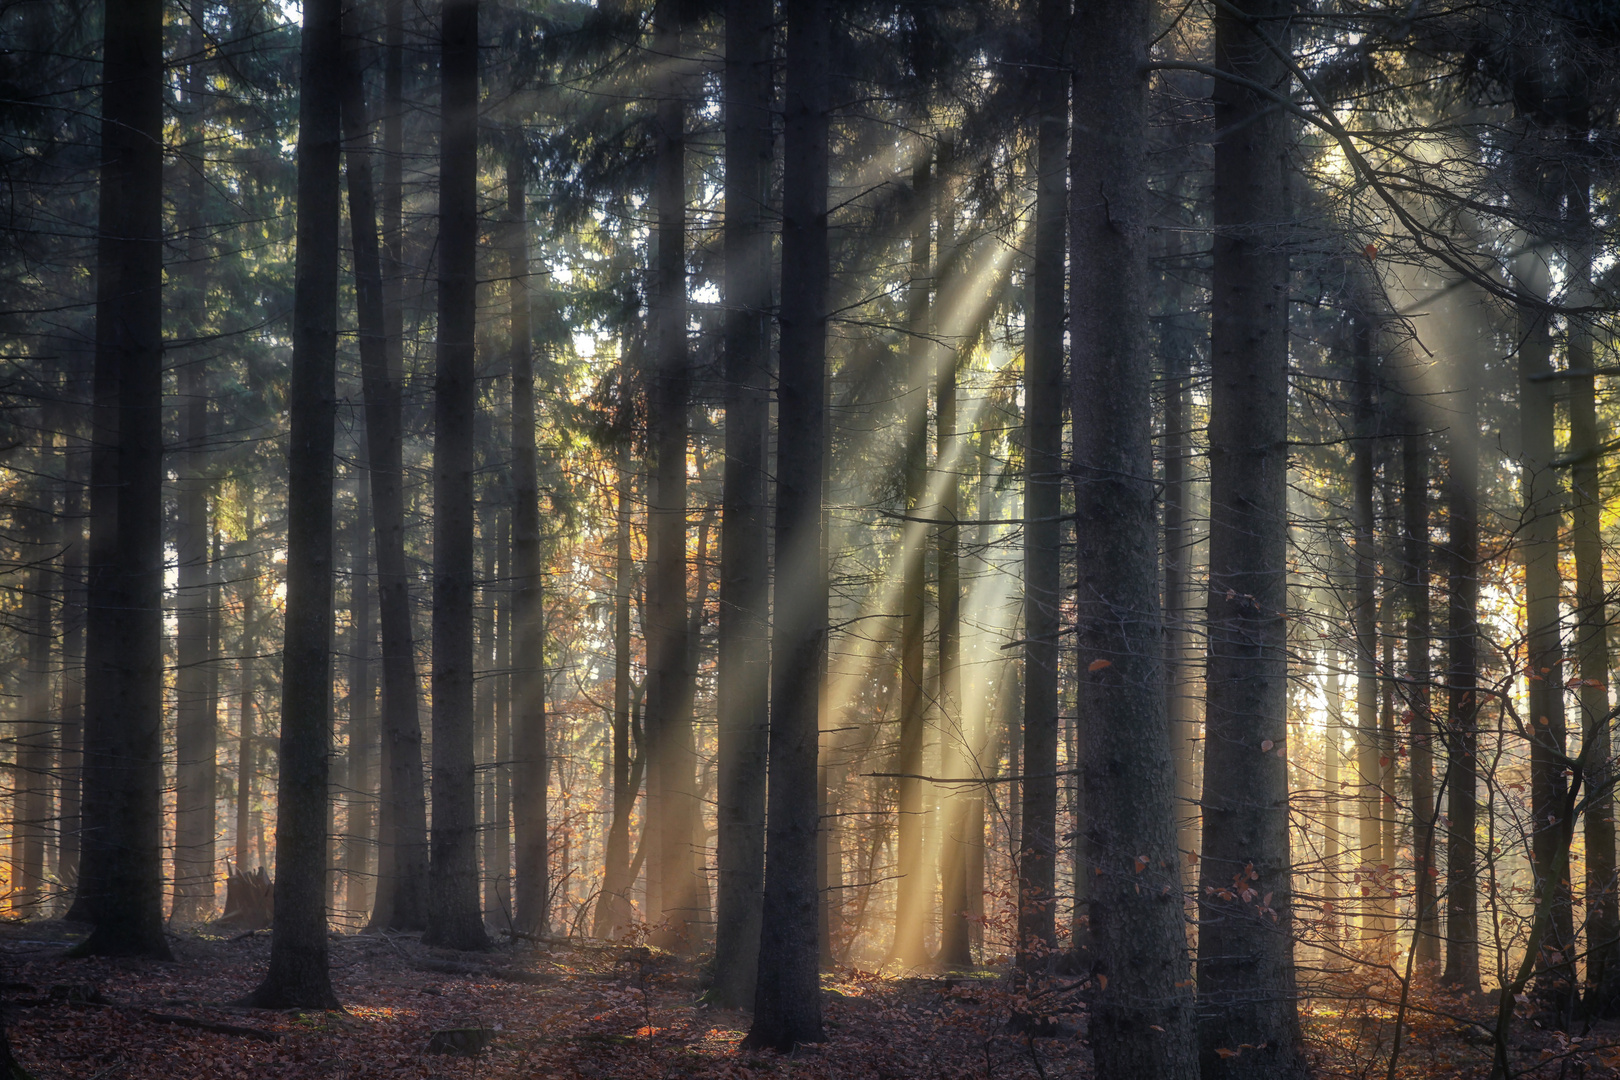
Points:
[603,1011]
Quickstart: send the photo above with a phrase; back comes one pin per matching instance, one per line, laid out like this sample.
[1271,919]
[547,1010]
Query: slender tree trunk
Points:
[915,888]
[299,975]
[454,919]
[613,913]
[956,925]
[787,999]
[531,889]
[1462,674]
[248,644]
[1539,488]
[121,883]
[358,837]
[672,768]
[1415,513]
[401,899]
[1043,473]
[1246,984]
[744,662]
[196,729]
[486,689]
[1142,1023]
[1364,616]
[1332,751]
[500,837]
[72,706]
[1591,608]
[36,732]
[1177,543]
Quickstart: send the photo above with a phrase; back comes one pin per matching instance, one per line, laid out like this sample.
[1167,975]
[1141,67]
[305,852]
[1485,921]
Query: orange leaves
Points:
[1098,665]
[1141,863]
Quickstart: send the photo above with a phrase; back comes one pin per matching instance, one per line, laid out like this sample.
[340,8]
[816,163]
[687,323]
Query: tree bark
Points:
[121,880]
[1415,516]
[744,661]
[70,762]
[1364,616]
[454,917]
[1043,474]
[1462,676]
[787,999]
[915,887]
[358,826]
[402,887]
[1142,1021]
[1246,985]
[299,975]
[531,892]
[613,912]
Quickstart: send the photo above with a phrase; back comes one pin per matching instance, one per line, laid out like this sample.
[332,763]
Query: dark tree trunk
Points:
[613,913]
[499,856]
[1142,1023]
[1415,513]
[121,883]
[956,925]
[247,646]
[358,838]
[401,900]
[1246,985]
[787,999]
[196,729]
[1542,517]
[1462,679]
[1591,609]
[454,918]
[672,765]
[1364,616]
[1043,474]
[744,662]
[299,975]
[72,706]
[532,896]
[36,730]
[915,887]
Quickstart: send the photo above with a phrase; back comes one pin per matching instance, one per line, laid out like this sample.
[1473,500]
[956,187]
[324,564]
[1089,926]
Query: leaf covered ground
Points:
[604,1011]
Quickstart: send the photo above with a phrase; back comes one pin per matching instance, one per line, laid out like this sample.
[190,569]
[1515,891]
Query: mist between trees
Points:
[1117,496]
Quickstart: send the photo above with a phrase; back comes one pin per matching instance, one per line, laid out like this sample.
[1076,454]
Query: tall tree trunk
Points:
[744,662]
[1142,1023]
[1043,475]
[787,999]
[915,887]
[1364,616]
[531,889]
[1462,679]
[1246,984]
[1415,515]
[958,738]
[358,837]
[613,912]
[36,731]
[72,706]
[1177,543]
[247,647]
[121,883]
[454,918]
[1591,606]
[1539,488]
[500,836]
[402,887]
[196,729]
[299,975]
[669,682]
[1332,751]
